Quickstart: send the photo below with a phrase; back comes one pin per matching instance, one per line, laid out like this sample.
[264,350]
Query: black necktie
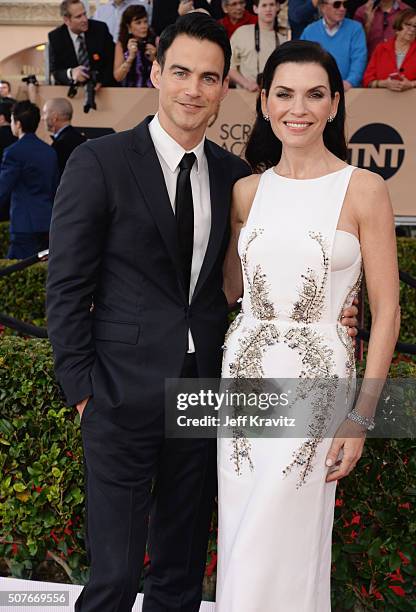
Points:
[82,52]
[184,210]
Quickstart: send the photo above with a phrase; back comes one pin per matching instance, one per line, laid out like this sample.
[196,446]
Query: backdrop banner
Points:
[380,128]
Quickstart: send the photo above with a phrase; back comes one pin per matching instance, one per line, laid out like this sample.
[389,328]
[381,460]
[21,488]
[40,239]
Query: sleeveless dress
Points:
[275,508]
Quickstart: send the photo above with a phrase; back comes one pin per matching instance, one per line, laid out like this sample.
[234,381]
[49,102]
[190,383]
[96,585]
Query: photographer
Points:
[135,49]
[80,48]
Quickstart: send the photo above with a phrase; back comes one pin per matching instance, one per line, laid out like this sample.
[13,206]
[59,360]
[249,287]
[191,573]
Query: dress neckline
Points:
[317,178]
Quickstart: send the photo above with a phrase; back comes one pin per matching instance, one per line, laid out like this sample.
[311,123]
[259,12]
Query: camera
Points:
[89,100]
[89,91]
[30,79]
[141,46]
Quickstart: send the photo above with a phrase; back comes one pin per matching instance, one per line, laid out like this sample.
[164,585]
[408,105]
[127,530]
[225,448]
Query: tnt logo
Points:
[377,147]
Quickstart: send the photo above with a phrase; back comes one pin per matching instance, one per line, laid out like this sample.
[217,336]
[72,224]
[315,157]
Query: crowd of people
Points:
[118,46]
[374,45]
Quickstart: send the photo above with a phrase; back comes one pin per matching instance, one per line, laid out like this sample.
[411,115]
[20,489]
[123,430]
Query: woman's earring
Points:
[331,118]
[266,117]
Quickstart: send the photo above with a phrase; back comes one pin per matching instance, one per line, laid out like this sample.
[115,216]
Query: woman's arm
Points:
[374,214]
[122,66]
[378,247]
[242,198]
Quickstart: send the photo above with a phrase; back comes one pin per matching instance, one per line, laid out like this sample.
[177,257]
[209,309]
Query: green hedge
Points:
[22,294]
[4,238]
[406,250]
[41,494]
[41,487]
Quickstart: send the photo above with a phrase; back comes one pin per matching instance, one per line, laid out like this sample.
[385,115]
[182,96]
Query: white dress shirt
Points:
[331,31]
[170,154]
[75,42]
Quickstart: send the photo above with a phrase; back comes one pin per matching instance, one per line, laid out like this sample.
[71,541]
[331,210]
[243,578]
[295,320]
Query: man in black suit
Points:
[80,47]
[155,279]
[57,114]
[6,139]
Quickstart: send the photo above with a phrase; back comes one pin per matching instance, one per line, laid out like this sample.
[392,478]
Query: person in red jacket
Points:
[393,63]
[236,15]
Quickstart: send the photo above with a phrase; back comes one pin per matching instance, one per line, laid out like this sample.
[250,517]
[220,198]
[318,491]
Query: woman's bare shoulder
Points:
[367,182]
[243,195]
[368,190]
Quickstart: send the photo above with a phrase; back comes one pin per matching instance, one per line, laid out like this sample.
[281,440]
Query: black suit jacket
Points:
[114,243]
[65,143]
[100,47]
[6,139]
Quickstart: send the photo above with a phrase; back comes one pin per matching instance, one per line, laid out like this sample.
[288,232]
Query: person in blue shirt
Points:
[29,176]
[343,38]
[300,14]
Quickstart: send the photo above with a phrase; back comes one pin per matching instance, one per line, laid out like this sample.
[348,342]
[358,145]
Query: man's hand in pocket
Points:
[81,406]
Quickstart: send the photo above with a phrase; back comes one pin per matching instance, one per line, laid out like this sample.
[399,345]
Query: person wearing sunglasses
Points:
[378,18]
[344,38]
[393,63]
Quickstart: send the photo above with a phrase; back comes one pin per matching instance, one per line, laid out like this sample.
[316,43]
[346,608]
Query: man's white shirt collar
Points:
[332,31]
[169,149]
[74,37]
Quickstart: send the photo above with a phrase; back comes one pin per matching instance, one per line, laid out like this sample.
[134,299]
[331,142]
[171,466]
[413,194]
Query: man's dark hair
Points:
[6,110]
[195,25]
[28,114]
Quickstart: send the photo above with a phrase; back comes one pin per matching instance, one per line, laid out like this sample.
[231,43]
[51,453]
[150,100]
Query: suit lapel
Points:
[146,169]
[70,46]
[219,214]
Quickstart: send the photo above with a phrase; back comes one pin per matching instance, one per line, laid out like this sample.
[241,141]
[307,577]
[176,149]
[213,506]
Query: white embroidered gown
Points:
[275,508]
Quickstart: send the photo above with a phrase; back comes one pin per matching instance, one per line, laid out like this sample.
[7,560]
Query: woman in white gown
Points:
[301,232]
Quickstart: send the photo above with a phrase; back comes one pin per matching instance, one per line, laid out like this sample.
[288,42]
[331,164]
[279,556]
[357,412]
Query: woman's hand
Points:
[150,52]
[395,84]
[405,84]
[369,14]
[132,49]
[349,437]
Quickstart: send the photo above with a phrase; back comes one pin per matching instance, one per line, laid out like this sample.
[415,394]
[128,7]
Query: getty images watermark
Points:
[228,405]
[287,408]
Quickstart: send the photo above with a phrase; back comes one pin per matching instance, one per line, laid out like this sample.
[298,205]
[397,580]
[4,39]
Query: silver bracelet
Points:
[365,422]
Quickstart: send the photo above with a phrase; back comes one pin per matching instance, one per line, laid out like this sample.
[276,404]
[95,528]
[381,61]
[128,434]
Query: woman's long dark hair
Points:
[263,148]
[133,12]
